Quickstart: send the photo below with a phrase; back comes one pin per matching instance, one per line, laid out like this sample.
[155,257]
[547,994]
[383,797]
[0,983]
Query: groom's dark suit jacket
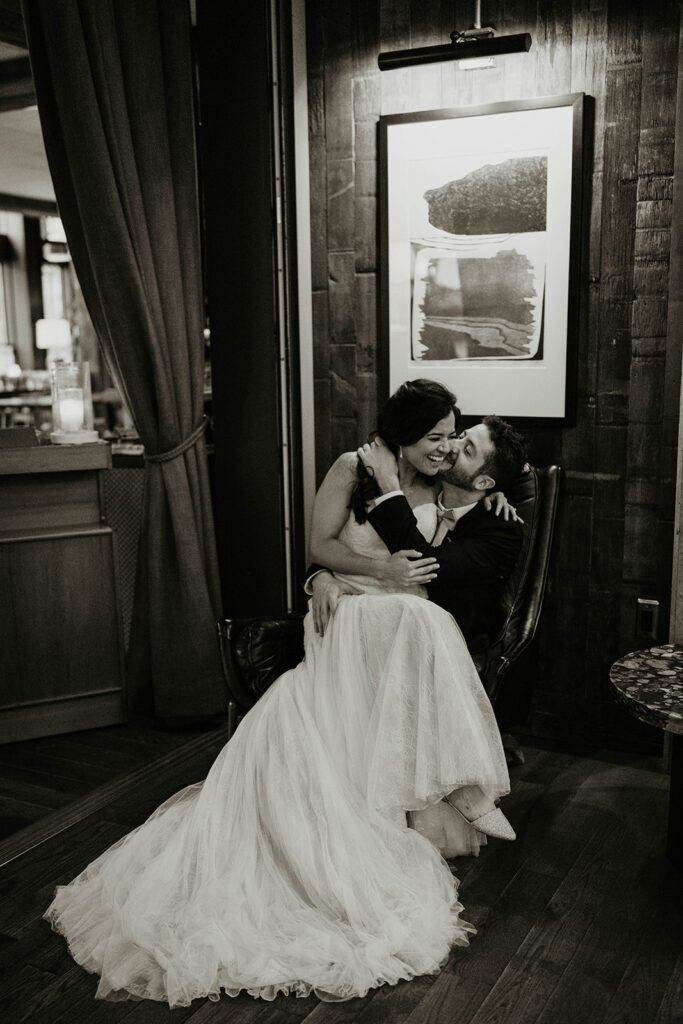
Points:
[475,559]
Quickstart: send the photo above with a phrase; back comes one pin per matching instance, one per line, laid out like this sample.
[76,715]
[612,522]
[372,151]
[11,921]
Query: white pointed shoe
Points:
[493,823]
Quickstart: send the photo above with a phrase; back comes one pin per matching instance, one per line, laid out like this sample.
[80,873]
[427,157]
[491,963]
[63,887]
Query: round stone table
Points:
[649,684]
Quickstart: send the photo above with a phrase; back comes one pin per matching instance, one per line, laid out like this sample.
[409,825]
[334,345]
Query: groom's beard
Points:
[457,476]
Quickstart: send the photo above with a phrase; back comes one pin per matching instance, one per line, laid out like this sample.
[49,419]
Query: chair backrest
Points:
[536,501]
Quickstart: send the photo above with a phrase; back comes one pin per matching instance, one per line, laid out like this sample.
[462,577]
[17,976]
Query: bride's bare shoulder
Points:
[344,468]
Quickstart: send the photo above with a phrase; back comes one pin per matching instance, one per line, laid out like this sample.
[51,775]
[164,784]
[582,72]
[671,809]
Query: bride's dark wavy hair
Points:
[410,413]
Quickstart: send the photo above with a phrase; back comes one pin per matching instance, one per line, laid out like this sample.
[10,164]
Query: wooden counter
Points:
[61,651]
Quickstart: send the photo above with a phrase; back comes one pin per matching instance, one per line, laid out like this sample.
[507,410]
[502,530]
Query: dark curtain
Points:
[114,85]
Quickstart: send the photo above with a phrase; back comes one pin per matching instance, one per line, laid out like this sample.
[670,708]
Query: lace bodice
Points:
[363,539]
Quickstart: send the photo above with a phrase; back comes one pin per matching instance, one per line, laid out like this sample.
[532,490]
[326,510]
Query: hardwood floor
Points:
[39,776]
[579,920]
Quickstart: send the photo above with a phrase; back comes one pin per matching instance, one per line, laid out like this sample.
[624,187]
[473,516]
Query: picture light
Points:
[471,44]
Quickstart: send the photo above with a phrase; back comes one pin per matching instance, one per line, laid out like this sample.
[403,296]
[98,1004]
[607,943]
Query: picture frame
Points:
[480,252]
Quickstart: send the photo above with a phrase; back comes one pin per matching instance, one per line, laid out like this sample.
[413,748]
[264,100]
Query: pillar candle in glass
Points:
[72,413]
[71,409]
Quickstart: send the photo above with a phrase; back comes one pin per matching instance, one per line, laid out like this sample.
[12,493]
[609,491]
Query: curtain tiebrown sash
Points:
[189,442]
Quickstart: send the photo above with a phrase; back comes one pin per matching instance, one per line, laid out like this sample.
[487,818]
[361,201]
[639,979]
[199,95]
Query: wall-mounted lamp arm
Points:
[460,47]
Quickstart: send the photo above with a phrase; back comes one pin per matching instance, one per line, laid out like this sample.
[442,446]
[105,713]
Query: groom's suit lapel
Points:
[467,523]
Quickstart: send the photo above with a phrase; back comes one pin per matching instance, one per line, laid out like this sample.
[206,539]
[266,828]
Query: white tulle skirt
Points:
[291,868]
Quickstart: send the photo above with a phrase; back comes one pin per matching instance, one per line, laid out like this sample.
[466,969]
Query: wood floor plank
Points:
[85,759]
[13,774]
[471,973]
[61,767]
[137,738]
[85,1009]
[243,1009]
[581,919]
[634,806]
[152,782]
[135,807]
[128,739]
[338,1013]
[598,968]
[647,975]
[79,1006]
[38,947]
[15,809]
[393,1004]
[19,987]
[24,898]
[23,788]
[290,1011]
[528,984]
[440,1003]
[159,1013]
[39,863]
[69,749]
[671,1009]
[41,1006]
[538,763]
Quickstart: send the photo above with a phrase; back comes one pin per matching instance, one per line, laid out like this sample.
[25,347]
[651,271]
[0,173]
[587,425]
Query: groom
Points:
[474,549]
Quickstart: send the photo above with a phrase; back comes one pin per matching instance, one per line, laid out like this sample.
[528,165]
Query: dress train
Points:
[291,868]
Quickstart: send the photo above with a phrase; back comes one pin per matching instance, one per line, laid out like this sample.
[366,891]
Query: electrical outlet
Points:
[647,618]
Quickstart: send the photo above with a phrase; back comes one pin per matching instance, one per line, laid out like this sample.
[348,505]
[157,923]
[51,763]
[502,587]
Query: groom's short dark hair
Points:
[507,460]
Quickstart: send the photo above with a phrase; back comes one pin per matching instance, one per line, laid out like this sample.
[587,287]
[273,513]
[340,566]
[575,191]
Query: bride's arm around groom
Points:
[479,549]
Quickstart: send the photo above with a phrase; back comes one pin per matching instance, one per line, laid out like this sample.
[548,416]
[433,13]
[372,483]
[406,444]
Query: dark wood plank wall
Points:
[616,522]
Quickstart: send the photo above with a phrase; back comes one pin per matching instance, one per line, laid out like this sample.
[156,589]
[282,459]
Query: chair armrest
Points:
[255,651]
[232,676]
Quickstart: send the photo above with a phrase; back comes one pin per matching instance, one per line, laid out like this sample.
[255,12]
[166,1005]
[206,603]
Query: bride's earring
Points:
[400,453]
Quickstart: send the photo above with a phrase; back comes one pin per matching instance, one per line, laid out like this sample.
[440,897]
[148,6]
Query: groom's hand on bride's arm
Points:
[468,559]
[402,569]
[407,568]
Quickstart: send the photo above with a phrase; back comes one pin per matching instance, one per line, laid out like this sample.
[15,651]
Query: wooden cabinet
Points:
[61,651]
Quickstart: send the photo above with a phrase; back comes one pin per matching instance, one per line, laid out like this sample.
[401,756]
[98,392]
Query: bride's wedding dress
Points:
[291,867]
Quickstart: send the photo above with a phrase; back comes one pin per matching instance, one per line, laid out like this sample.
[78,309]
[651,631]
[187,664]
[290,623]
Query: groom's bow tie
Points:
[446,520]
[447,514]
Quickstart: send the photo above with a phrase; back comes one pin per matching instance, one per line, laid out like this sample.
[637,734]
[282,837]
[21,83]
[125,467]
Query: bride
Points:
[291,868]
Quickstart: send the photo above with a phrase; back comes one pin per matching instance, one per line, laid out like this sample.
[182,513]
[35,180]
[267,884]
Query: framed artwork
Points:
[480,217]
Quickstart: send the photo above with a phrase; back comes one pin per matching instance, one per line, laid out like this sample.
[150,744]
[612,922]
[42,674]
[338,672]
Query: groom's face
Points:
[469,451]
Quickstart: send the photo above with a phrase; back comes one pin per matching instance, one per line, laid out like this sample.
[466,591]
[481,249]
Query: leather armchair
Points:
[535,497]
[255,651]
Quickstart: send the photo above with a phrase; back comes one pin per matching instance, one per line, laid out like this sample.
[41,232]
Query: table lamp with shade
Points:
[72,412]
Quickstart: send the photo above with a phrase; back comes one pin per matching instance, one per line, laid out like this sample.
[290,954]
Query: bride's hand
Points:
[407,568]
[326,591]
[497,503]
[380,462]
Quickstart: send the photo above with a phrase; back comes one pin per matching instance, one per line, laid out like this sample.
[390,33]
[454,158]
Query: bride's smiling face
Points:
[427,455]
